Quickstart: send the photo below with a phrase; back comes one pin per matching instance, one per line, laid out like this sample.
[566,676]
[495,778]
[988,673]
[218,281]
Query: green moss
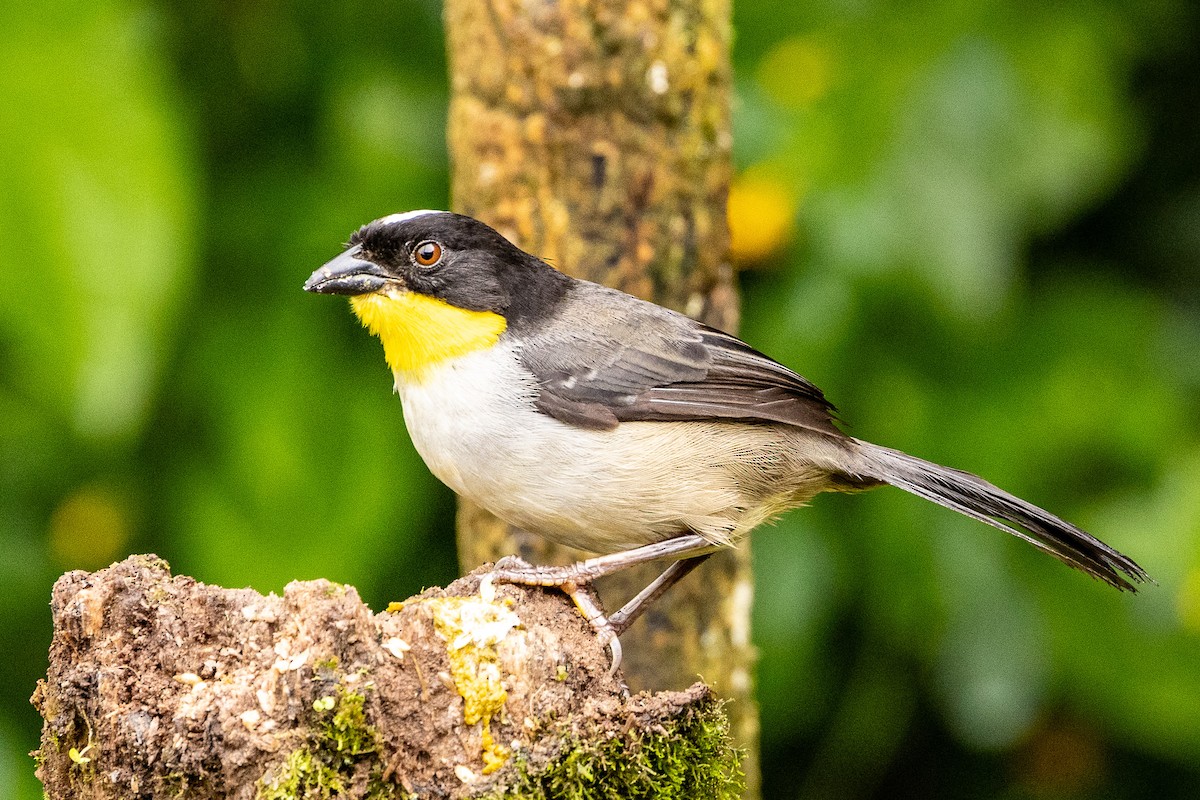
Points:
[178,784]
[685,759]
[325,766]
[308,774]
[325,667]
[80,747]
[379,789]
[303,774]
[347,732]
[149,561]
[80,757]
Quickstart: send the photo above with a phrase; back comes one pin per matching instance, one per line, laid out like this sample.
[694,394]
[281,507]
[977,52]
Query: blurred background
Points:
[975,224]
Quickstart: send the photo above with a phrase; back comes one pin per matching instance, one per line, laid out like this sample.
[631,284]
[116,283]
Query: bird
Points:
[617,426]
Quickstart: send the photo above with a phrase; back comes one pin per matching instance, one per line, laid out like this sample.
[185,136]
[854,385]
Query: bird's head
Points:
[433,285]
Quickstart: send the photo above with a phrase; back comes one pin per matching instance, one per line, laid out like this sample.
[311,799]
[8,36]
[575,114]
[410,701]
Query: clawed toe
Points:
[513,569]
[575,580]
[609,638]
[606,632]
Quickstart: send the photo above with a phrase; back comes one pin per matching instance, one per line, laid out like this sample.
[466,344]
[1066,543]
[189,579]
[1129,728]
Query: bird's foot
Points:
[589,606]
[575,582]
[514,569]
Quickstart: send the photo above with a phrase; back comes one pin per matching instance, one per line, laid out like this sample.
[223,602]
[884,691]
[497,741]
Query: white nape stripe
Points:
[407,215]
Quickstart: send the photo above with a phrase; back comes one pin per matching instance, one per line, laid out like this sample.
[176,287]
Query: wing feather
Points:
[605,360]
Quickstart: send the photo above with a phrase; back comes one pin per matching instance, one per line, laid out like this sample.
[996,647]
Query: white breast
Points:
[474,423]
[466,418]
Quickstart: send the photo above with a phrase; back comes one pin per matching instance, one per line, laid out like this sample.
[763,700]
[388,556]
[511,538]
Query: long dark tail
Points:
[971,495]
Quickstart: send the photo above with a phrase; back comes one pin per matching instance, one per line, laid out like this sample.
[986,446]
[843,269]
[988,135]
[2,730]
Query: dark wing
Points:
[610,359]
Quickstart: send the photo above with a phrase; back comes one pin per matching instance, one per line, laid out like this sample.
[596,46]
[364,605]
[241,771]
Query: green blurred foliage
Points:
[990,258]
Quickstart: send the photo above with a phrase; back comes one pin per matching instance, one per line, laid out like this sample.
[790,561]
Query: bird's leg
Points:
[512,569]
[574,581]
[685,545]
[585,600]
[609,633]
[619,622]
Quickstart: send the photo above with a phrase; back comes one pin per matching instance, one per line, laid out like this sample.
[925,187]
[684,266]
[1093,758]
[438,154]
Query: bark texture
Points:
[160,686]
[597,135]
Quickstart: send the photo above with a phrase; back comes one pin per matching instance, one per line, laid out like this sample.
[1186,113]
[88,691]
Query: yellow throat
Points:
[419,331]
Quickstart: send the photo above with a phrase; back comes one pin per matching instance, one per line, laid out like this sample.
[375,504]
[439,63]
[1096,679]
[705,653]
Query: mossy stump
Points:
[161,686]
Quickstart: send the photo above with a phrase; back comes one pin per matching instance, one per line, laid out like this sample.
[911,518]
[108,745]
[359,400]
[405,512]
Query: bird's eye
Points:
[427,253]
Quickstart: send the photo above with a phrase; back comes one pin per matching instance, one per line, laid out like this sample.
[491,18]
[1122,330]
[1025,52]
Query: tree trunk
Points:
[597,136]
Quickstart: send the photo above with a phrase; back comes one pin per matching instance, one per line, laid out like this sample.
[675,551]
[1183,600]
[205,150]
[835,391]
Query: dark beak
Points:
[349,274]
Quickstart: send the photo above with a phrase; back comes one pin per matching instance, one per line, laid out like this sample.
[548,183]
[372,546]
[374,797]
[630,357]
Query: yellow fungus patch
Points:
[472,627]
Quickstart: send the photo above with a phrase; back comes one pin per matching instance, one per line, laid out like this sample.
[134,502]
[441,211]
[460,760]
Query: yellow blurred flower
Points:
[796,72]
[90,528]
[762,212]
